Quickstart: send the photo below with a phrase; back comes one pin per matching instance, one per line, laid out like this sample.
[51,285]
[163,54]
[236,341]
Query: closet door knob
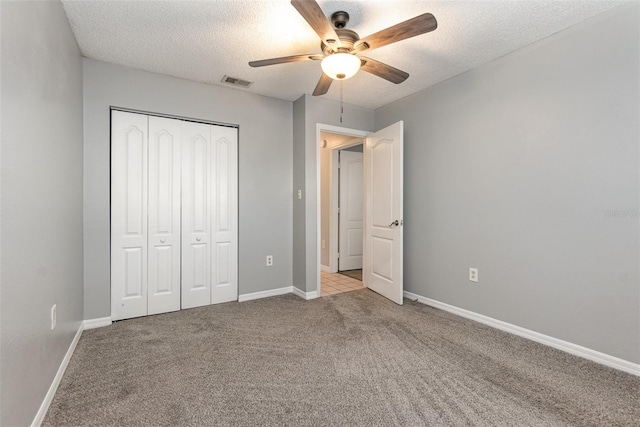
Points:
[197,239]
[162,240]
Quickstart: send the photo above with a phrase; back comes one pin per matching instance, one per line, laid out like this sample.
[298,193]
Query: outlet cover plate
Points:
[473,274]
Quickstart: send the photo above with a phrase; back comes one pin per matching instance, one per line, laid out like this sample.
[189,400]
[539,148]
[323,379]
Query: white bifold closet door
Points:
[163,261]
[129,177]
[173,215]
[209,188]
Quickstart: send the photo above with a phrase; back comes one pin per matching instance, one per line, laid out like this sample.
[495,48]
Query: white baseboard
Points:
[96,323]
[305,295]
[325,268]
[312,295]
[276,292]
[48,398]
[576,350]
[265,294]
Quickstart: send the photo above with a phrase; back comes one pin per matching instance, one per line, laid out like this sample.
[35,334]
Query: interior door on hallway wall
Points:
[351,207]
[173,214]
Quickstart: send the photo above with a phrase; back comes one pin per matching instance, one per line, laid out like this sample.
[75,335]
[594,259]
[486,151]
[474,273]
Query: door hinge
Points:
[338,254]
[338,210]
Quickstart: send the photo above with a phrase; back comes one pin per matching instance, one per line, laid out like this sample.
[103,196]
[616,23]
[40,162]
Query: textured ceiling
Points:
[204,40]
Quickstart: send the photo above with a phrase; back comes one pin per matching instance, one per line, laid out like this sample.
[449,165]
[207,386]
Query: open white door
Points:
[383,165]
[350,211]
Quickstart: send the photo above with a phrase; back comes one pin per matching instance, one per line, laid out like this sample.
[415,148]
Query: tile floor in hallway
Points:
[335,283]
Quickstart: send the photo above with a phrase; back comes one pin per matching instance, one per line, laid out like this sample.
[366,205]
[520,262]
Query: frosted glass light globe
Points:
[340,66]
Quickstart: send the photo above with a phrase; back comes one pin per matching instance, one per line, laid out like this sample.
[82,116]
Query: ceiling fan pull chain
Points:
[341,101]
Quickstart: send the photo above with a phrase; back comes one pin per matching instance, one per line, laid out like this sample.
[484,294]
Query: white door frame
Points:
[333,167]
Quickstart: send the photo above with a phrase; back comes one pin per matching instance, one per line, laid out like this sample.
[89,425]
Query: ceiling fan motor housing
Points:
[348,39]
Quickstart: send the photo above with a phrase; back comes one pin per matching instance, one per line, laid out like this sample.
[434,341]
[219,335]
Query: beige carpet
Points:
[351,359]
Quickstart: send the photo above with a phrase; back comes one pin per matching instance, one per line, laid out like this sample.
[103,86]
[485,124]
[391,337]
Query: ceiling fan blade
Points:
[385,71]
[284,59]
[323,85]
[413,27]
[311,12]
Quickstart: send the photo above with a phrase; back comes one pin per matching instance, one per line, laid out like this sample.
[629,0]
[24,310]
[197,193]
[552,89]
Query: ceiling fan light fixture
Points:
[340,66]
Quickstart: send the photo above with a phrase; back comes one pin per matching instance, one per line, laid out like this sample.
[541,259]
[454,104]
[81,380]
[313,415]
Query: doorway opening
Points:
[383,194]
[340,220]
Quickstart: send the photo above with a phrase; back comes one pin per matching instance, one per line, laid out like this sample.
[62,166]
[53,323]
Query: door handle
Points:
[394,223]
[162,240]
[198,239]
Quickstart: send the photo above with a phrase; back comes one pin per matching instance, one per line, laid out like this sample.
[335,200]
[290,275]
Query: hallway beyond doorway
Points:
[336,283]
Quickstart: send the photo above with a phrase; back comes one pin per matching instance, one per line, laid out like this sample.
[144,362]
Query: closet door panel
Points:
[164,215]
[129,151]
[224,257]
[199,267]
[196,208]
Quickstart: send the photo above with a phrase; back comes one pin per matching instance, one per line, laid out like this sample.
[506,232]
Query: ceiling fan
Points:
[342,47]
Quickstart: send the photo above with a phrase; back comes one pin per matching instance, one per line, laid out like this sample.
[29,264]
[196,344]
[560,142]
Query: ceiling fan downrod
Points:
[339,19]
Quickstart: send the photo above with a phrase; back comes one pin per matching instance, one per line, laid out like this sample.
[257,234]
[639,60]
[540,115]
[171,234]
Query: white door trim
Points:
[333,219]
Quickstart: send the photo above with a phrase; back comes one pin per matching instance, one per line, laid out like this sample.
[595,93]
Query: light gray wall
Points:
[518,168]
[265,169]
[309,111]
[41,201]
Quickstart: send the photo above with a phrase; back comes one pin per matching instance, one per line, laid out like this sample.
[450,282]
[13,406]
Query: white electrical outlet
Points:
[53,317]
[269,260]
[473,274]
[299,194]
[324,244]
